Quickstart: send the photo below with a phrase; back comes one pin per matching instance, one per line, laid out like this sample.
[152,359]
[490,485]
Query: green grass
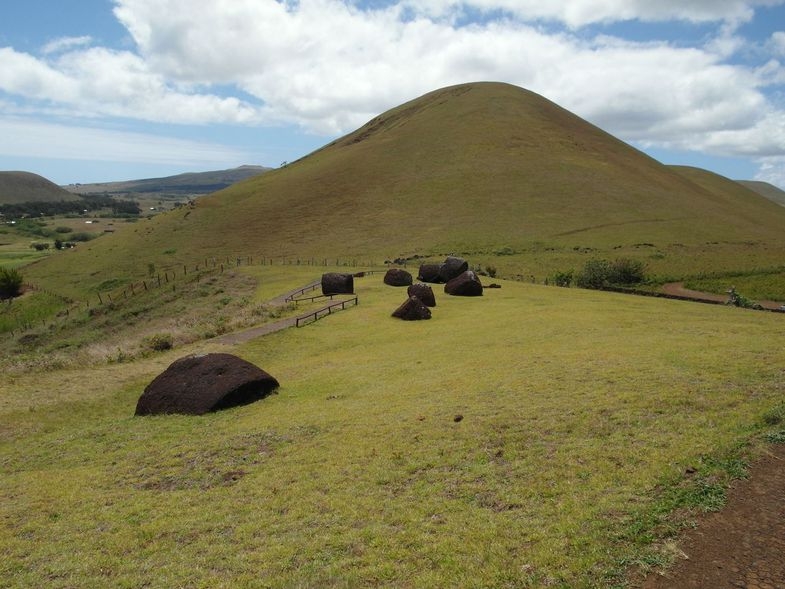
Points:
[576,407]
[755,284]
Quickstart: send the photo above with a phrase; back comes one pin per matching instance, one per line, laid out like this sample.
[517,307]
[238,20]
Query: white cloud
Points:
[103,82]
[65,44]
[329,65]
[777,43]
[579,13]
[25,138]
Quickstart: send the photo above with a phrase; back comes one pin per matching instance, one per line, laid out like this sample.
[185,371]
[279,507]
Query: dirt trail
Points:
[741,546]
[677,289]
[239,337]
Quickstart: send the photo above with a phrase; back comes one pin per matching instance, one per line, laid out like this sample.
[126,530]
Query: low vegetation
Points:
[10,283]
[531,437]
[359,472]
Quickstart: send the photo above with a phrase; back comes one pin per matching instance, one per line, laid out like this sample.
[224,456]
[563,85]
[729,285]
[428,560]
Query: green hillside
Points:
[480,169]
[19,187]
[765,189]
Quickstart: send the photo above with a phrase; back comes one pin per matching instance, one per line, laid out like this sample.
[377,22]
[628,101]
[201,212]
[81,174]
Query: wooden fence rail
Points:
[323,312]
[303,290]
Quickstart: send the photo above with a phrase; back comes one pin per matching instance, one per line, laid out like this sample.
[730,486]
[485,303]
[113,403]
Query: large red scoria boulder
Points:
[199,384]
[424,292]
[464,285]
[412,309]
[336,283]
[397,277]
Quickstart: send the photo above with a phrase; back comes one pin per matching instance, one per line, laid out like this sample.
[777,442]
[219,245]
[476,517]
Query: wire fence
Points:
[171,277]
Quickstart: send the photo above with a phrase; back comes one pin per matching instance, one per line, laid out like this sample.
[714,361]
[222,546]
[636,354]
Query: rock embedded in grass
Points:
[423,292]
[398,277]
[429,272]
[199,384]
[465,285]
[337,283]
[412,309]
[452,267]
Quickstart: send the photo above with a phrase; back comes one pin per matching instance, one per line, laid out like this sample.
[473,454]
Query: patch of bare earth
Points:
[741,546]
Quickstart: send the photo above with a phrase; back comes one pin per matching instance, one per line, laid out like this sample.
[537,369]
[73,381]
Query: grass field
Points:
[581,412]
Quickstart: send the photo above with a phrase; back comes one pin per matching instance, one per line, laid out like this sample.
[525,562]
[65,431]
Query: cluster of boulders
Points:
[454,273]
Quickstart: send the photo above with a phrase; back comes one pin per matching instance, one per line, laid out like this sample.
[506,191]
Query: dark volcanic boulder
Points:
[198,384]
[466,285]
[451,268]
[422,292]
[335,283]
[429,273]
[412,309]
[397,277]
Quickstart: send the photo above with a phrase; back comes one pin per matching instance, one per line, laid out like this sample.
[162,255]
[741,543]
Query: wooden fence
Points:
[323,312]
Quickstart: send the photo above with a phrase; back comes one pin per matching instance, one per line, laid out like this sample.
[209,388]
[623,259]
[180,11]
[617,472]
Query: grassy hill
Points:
[533,437]
[488,170]
[188,184]
[765,189]
[19,187]
[581,413]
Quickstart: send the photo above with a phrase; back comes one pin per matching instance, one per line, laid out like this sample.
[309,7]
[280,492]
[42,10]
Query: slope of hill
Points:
[19,187]
[765,189]
[480,169]
[186,184]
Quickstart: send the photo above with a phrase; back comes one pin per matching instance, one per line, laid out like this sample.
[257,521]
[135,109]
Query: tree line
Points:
[87,202]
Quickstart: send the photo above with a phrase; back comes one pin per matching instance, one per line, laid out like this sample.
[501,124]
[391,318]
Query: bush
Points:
[10,283]
[627,271]
[39,246]
[737,300]
[160,342]
[598,274]
[63,229]
[595,274]
[563,279]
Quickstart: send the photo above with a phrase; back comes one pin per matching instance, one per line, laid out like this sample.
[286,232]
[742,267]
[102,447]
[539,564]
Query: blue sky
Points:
[101,90]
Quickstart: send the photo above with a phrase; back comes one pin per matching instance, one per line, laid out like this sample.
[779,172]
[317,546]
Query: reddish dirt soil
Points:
[677,288]
[741,546]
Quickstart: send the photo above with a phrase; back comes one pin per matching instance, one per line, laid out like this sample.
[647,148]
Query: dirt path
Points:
[677,289]
[741,546]
[239,337]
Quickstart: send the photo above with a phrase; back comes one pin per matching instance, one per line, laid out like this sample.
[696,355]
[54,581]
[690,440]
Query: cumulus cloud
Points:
[65,44]
[330,65]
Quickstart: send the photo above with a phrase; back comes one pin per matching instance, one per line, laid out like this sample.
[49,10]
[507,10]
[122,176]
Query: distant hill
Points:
[20,187]
[489,170]
[765,189]
[192,183]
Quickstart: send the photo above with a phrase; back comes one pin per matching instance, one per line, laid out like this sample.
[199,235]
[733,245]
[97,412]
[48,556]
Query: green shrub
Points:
[601,273]
[627,271]
[595,274]
[63,230]
[160,342]
[82,236]
[563,279]
[10,283]
[737,300]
